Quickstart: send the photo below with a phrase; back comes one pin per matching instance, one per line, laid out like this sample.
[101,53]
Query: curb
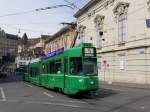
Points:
[129,85]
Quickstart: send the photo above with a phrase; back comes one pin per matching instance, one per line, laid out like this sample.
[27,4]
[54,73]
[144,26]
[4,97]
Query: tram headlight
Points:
[80,80]
[92,82]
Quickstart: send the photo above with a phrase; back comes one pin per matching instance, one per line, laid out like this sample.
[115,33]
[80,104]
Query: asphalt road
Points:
[19,96]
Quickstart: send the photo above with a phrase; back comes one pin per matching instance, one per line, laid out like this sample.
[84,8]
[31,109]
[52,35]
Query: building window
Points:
[120,12]
[54,67]
[121,28]
[93,13]
[106,4]
[52,46]
[62,42]
[89,15]
[121,59]
[148,5]
[91,38]
[65,41]
[78,36]
[111,2]
[49,48]
[99,23]
[81,31]
[100,39]
[99,65]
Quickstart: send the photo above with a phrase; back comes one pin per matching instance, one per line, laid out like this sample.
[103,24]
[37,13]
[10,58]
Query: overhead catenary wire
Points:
[73,4]
[18,13]
[32,11]
[46,8]
[37,10]
[69,5]
[24,29]
[56,6]
[32,23]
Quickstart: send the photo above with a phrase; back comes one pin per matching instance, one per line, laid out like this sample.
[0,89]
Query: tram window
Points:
[66,65]
[58,66]
[31,71]
[52,67]
[76,65]
[90,66]
[34,72]
[43,68]
[37,70]
[48,68]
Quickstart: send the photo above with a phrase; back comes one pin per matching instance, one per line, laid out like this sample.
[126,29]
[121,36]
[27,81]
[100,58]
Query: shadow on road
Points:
[102,93]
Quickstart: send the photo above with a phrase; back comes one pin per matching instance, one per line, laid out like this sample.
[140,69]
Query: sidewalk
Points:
[129,85]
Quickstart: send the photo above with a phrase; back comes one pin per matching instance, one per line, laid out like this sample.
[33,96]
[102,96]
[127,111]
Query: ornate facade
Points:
[119,31]
[148,5]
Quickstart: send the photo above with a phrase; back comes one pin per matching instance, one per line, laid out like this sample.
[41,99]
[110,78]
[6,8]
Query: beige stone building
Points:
[63,38]
[119,31]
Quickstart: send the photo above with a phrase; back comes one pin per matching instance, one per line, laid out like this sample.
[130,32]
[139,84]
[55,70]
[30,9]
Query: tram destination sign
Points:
[89,52]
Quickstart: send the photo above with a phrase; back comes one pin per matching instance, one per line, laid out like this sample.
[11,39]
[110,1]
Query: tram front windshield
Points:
[86,66]
[89,66]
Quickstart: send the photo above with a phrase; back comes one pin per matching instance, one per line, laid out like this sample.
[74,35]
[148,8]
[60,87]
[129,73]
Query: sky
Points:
[45,22]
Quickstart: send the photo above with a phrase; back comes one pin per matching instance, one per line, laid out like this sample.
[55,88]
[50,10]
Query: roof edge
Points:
[85,8]
[61,31]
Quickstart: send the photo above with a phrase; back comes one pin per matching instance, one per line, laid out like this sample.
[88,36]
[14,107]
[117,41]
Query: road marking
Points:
[50,103]
[3,94]
[43,103]
[116,89]
[71,101]
[28,85]
[47,94]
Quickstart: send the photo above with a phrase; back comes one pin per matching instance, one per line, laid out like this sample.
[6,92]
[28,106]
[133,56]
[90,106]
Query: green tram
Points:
[71,71]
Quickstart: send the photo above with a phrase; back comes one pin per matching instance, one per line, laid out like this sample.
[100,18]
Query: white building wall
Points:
[129,62]
[22,61]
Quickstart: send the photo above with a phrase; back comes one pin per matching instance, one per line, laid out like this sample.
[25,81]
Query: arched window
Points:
[120,12]
[148,5]
[121,28]
[81,30]
[99,24]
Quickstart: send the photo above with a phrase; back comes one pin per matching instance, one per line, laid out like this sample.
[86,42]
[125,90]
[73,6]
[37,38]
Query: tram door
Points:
[65,69]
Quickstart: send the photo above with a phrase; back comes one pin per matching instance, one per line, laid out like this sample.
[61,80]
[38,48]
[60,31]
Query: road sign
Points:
[148,23]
